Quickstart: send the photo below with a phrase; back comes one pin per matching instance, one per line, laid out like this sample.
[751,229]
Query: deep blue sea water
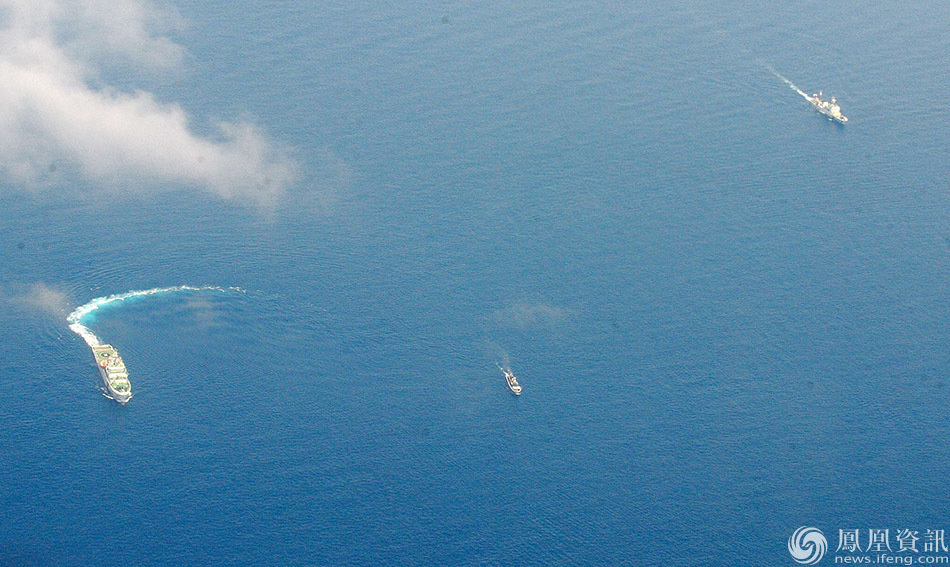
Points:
[729,315]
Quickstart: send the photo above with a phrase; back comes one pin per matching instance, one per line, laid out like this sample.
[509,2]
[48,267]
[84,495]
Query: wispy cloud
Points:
[53,108]
[525,315]
[40,297]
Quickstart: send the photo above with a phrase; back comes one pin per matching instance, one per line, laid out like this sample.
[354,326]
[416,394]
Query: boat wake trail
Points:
[75,319]
[787,82]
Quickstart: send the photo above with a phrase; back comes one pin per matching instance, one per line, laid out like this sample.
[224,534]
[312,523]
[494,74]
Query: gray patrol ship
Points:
[828,108]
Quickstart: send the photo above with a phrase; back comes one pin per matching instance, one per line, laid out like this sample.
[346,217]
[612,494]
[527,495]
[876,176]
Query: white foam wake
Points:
[75,319]
[787,82]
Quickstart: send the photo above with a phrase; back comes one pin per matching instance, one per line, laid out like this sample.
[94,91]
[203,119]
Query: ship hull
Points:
[513,384]
[833,118]
[110,392]
[831,111]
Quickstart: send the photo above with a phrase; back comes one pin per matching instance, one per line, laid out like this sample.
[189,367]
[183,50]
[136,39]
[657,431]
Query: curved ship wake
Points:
[115,377]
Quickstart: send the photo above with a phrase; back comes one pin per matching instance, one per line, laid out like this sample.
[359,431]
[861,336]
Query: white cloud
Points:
[43,298]
[525,315]
[50,113]
[106,28]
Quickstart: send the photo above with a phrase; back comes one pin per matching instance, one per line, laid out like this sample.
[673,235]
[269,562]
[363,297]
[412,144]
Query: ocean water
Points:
[729,315]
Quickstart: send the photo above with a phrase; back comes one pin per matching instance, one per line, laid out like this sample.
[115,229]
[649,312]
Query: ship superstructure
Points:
[115,377]
[513,384]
